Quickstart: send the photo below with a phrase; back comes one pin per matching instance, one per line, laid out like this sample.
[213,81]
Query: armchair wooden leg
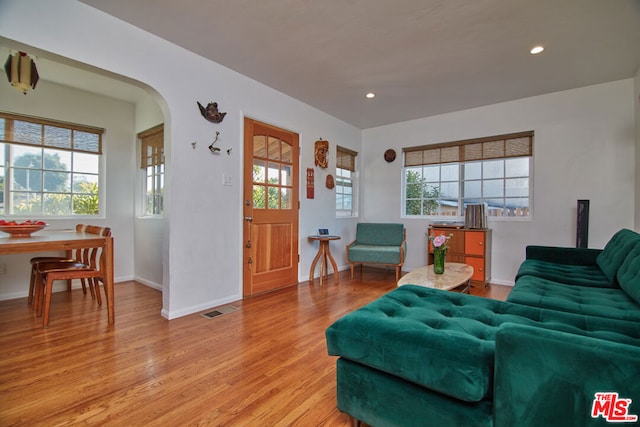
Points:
[352,270]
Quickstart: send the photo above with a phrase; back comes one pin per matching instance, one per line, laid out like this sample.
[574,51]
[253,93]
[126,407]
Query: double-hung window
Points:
[48,168]
[152,163]
[440,180]
[345,180]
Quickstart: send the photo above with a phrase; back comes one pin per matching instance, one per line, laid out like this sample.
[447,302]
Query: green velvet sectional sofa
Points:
[563,350]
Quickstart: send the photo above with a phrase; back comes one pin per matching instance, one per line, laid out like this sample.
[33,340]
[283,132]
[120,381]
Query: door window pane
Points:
[259,171]
[285,198]
[285,175]
[273,173]
[260,146]
[274,148]
[259,196]
[286,153]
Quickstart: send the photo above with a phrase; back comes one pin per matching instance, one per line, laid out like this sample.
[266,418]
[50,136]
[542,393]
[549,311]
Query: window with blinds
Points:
[441,179]
[48,168]
[345,176]
[152,163]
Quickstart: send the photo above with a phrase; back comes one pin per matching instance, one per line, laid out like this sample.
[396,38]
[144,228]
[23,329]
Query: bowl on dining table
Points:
[22,230]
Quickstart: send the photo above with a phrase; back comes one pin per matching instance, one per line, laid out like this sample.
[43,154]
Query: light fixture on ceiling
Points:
[21,71]
[536,50]
[371,95]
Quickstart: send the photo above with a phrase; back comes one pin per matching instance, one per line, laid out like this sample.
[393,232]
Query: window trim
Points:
[8,137]
[155,160]
[347,159]
[498,147]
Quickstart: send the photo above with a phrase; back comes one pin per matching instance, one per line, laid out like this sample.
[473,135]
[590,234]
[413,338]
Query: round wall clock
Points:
[390,155]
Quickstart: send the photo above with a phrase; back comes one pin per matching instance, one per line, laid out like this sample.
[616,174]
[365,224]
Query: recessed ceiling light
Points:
[371,95]
[536,50]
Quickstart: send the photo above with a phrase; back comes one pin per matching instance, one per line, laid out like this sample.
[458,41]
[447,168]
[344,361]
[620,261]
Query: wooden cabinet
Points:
[469,246]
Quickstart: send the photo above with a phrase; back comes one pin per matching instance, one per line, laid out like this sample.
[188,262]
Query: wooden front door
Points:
[270,208]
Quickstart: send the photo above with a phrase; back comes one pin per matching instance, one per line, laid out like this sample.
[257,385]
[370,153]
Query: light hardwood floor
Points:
[263,365]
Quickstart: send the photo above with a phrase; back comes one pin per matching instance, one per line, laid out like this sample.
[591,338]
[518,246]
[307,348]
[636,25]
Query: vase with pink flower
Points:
[440,244]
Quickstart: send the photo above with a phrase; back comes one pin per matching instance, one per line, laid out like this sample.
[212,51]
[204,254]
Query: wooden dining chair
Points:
[71,256]
[89,267]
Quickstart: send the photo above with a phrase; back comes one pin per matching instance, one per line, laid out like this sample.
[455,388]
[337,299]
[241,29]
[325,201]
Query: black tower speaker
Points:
[582,229]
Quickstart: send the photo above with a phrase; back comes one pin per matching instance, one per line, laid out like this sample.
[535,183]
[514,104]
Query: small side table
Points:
[323,253]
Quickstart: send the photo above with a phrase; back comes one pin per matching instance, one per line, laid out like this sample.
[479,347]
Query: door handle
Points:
[248,218]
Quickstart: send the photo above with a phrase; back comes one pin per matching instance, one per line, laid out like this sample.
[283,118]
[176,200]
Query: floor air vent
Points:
[220,311]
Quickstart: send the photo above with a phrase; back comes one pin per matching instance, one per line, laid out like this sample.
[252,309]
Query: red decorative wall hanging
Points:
[310,180]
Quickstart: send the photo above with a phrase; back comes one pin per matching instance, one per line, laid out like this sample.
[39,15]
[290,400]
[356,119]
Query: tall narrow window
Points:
[48,168]
[152,163]
[345,180]
[441,179]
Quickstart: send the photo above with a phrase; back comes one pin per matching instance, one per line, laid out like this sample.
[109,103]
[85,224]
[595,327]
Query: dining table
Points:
[67,240]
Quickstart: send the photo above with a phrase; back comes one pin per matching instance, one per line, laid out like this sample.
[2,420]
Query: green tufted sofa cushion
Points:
[629,275]
[616,250]
[595,301]
[582,275]
[375,254]
[445,341]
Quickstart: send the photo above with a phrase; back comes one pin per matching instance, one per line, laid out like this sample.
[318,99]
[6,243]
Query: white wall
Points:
[202,257]
[148,231]
[583,149]
[63,103]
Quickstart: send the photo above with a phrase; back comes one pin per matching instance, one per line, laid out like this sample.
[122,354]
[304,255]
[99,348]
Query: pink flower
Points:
[439,240]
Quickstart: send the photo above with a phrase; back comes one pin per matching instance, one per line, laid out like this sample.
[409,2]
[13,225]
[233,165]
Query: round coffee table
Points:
[455,275]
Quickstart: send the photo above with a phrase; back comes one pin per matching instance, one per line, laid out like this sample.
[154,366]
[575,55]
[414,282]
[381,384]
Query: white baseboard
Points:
[502,282]
[199,307]
[148,283]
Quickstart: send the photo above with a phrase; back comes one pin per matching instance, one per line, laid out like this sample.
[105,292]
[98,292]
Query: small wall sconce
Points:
[21,72]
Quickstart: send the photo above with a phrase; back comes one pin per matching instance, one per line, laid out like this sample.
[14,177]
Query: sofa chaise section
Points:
[444,344]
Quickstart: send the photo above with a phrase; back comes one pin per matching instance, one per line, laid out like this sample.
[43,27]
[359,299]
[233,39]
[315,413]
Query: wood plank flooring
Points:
[265,364]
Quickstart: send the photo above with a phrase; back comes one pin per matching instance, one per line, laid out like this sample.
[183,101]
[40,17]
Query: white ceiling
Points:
[420,57]
[63,71]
